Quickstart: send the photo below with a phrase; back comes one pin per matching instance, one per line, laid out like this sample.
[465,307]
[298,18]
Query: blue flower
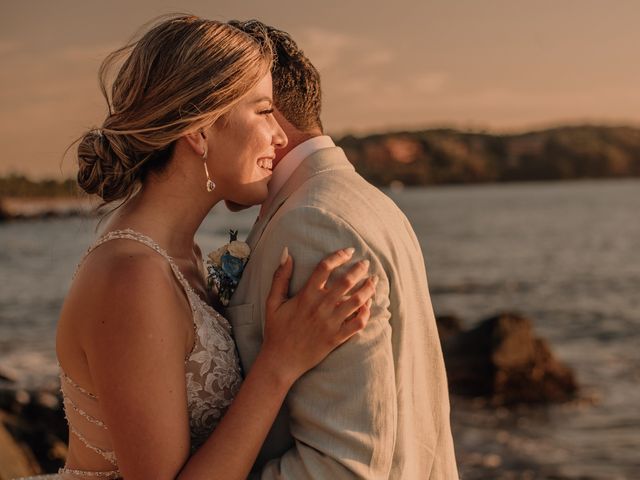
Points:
[232,266]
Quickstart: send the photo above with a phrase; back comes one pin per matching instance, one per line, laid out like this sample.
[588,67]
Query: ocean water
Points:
[563,254]
[566,255]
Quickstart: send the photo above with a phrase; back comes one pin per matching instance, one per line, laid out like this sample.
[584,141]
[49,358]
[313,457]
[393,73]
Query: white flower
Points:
[216,255]
[239,249]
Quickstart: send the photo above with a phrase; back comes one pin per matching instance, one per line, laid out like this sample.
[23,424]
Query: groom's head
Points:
[296,85]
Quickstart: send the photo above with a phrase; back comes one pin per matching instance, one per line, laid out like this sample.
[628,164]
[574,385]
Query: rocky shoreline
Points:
[33,431]
[498,364]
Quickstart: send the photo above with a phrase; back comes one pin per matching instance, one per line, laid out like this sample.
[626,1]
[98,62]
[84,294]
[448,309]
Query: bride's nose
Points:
[279,139]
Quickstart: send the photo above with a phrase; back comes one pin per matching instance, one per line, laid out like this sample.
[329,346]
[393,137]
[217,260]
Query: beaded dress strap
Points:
[74,406]
[145,240]
[108,455]
[68,379]
[111,474]
[68,401]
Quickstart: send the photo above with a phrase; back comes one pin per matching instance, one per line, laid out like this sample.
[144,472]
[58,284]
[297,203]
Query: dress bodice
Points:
[212,370]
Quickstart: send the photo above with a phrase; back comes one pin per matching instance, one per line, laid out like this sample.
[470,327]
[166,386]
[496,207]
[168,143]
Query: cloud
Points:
[428,82]
[376,58]
[69,72]
[495,108]
[47,100]
[358,70]
[82,53]
[324,47]
[329,50]
[364,87]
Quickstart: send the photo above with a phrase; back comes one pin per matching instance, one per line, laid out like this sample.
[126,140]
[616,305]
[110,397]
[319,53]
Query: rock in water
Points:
[448,326]
[6,374]
[14,461]
[35,424]
[4,215]
[502,359]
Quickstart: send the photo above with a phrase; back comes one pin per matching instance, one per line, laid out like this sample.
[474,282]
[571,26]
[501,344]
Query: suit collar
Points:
[321,161]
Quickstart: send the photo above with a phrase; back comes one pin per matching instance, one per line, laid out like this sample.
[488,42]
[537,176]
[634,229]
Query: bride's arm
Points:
[286,354]
[137,365]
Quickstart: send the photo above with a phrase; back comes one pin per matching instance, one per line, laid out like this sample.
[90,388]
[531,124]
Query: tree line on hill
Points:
[447,156]
[16,185]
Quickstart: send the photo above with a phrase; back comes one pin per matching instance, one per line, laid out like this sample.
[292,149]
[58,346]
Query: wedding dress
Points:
[212,369]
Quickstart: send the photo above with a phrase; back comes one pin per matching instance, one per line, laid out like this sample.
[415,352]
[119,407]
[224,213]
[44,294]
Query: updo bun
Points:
[102,171]
[182,75]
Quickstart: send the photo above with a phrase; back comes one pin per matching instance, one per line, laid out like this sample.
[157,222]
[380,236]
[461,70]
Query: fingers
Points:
[353,325]
[344,284]
[359,298]
[323,270]
[279,292]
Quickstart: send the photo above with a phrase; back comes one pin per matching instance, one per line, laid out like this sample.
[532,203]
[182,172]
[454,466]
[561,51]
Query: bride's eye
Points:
[266,112]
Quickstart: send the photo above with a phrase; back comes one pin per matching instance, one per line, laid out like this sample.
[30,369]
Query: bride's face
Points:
[242,147]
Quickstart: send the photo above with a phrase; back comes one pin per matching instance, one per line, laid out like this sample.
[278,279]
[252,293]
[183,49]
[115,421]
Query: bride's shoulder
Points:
[122,277]
[124,292]
[123,310]
[116,262]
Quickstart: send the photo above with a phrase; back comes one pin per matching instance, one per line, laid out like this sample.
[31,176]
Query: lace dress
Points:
[212,369]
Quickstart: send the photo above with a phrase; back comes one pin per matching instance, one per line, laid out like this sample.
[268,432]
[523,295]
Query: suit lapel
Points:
[325,160]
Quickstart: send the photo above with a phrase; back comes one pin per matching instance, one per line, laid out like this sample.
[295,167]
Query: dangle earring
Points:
[210,185]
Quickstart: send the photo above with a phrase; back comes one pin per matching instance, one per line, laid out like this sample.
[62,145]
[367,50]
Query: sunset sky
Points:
[480,64]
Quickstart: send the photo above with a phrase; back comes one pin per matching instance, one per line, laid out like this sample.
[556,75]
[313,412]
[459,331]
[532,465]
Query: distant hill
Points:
[20,186]
[446,156]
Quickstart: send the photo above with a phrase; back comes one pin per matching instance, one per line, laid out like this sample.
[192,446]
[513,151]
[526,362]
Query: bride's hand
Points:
[301,331]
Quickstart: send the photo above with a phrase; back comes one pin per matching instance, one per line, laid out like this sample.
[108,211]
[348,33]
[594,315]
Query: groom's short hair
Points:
[296,82]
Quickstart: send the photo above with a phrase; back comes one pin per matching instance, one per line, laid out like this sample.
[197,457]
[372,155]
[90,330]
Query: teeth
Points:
[265,163]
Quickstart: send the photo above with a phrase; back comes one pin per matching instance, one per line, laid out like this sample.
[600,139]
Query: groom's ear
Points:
[197,140]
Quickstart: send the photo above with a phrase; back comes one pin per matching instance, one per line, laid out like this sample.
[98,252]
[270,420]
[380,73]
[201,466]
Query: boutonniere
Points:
[225,267]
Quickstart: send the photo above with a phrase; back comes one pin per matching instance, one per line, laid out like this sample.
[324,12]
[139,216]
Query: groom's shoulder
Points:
[343,198]
[343,192]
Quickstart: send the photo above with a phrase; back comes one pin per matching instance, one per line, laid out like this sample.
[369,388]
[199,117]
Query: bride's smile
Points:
[242,146]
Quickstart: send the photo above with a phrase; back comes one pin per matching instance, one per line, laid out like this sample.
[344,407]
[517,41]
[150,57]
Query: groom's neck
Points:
[293,143]
[294,136]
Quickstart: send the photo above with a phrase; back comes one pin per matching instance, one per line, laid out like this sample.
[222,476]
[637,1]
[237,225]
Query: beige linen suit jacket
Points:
[377,407]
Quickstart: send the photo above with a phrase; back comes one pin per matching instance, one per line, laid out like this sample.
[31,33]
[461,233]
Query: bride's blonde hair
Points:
[184,74]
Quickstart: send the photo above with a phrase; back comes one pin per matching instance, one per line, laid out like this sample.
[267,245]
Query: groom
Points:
[378,406]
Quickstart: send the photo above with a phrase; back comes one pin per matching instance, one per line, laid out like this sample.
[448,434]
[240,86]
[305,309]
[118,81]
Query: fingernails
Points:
[369,302]
[365,264]
[375,280]
[284,256]
[349,251]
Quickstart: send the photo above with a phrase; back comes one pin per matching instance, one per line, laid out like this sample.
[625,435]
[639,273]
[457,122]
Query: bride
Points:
[150,374]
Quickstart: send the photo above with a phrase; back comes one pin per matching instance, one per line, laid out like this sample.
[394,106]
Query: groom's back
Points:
[337,205]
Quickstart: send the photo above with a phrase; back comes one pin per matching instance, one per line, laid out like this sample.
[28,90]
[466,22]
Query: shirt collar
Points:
[291,161]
